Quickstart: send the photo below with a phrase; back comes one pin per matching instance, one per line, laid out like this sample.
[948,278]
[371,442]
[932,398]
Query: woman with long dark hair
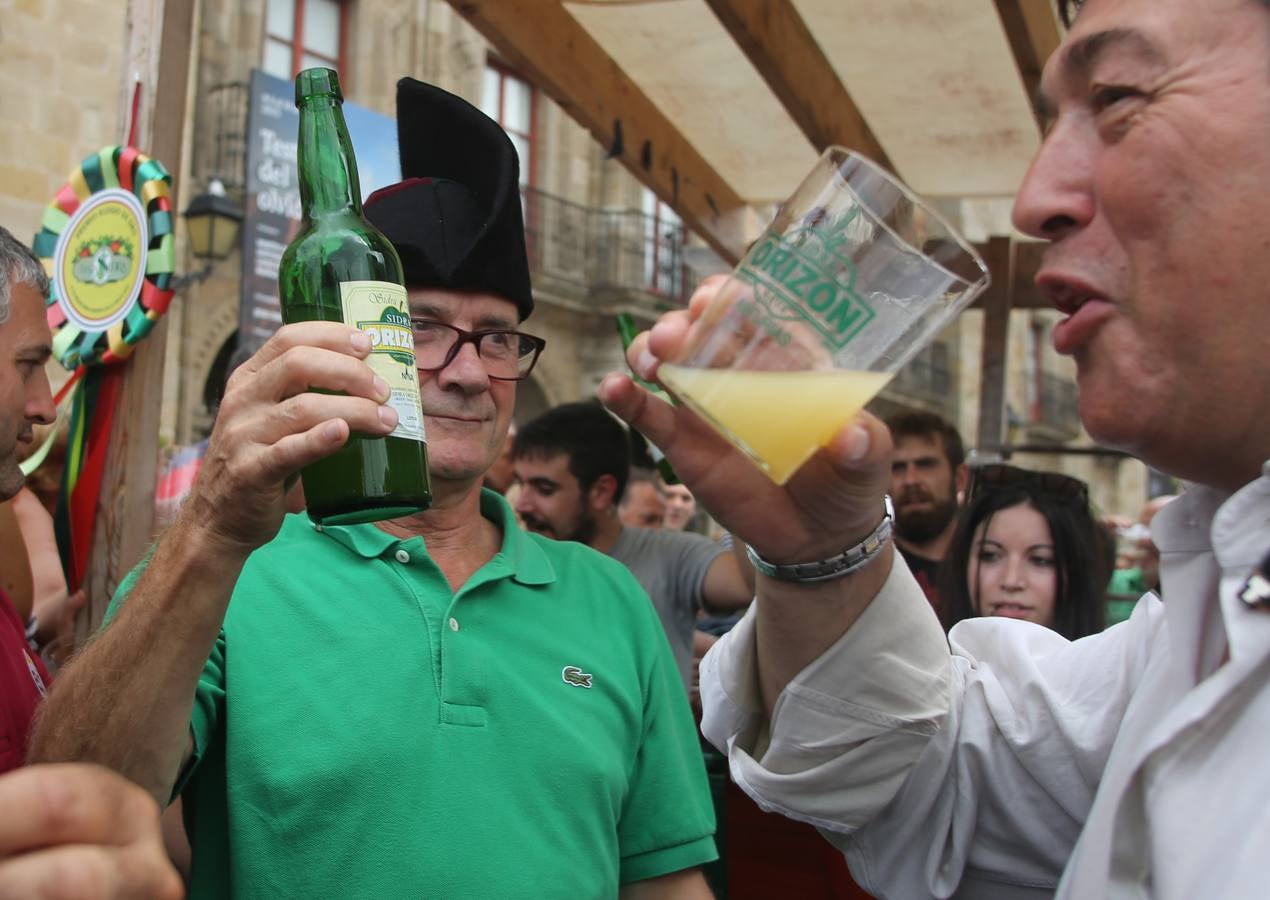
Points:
[1027,547]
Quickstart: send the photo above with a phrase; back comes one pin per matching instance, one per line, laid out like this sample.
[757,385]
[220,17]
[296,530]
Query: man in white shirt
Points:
[1016,763]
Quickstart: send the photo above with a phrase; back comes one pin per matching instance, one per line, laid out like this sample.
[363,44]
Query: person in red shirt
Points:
[25,399]
[23,681]
[64,825]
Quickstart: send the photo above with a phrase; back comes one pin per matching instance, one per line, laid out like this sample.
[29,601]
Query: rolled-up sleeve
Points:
[941,769]
[847,730]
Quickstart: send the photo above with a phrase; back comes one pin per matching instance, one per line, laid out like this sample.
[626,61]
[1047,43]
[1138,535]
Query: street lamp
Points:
[213,221]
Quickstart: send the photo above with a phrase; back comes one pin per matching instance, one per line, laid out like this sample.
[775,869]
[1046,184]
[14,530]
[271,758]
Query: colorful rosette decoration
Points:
[107,244]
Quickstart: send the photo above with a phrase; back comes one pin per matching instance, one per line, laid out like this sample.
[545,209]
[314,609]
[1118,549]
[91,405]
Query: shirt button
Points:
[454,624]
[402,556]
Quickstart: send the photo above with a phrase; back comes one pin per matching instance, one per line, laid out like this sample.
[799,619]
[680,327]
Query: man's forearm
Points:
[125,701]
[797,623]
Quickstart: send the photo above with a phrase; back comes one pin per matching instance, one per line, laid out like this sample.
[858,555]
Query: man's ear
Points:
[603,493]
[962,480]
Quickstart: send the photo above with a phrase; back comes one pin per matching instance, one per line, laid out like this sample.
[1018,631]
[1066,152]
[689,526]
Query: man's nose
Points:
[40,407]
[466,370]
[1057,194]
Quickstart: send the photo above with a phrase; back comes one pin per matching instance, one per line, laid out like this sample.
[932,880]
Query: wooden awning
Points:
[720,106]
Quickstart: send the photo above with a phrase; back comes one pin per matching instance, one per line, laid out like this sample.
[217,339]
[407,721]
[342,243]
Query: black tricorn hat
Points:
[455,217]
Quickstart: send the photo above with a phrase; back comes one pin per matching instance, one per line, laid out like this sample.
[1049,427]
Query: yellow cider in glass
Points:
[779,418]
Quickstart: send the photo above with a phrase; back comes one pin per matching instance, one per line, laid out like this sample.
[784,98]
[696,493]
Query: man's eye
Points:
[428,330]
[1106,96]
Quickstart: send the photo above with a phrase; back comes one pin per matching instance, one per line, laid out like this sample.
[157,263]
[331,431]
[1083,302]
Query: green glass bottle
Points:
[627,330]
[340,268]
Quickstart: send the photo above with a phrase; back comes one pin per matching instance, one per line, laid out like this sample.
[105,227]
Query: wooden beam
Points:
[1018,279]
[783,50]
[1034,32]
[549,47]
[996,334]
[125,509]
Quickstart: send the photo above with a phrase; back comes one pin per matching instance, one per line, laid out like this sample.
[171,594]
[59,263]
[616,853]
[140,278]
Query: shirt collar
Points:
[520,553]
[519,556]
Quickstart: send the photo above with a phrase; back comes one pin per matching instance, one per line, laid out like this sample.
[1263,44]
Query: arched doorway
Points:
[217,374]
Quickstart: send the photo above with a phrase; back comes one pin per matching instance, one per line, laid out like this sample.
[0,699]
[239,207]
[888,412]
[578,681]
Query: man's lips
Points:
[466,420]
[1077,330]
[1086,308]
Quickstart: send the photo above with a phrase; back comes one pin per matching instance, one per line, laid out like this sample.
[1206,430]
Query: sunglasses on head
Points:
[999,477]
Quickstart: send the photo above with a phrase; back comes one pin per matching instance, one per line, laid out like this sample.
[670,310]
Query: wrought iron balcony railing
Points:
[605,250]
[615,255]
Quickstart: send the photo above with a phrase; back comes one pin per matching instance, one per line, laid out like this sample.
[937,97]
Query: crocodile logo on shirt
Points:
[575,676]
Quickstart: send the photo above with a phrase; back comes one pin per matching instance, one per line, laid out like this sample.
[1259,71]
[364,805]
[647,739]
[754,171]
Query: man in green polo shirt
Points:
[435,706]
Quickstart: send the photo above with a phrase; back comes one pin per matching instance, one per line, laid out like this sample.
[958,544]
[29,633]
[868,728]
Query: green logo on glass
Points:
[392,335]
[808,272]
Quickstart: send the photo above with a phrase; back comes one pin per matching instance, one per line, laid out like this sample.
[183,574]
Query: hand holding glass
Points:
[854,277]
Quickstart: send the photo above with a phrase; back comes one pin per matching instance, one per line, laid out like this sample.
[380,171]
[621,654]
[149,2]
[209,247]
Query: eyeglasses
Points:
[507,355]
[999,476]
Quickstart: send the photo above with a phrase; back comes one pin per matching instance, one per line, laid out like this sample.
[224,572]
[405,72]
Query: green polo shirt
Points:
[361,731]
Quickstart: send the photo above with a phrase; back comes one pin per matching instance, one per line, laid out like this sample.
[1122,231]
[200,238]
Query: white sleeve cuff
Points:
[848,728]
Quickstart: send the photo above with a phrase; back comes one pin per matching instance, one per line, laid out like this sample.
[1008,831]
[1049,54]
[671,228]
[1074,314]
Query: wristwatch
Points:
[850,560]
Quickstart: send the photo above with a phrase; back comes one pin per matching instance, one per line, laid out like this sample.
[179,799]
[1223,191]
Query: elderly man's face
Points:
[466,413]
[1153,182]
[24,387]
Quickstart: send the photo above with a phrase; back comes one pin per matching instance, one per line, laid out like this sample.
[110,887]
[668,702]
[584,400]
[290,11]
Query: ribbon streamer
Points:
[91,418]
[131,259]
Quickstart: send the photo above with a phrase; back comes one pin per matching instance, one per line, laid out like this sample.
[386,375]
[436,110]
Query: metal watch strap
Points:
[850,560]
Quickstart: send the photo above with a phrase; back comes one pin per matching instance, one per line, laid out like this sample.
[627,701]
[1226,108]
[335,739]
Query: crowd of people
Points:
[499,696]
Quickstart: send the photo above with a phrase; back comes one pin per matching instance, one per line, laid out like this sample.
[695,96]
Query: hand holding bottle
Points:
[340,268]
[294,402]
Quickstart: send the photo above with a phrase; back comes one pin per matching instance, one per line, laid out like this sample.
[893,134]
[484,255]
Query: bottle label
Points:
[380,309]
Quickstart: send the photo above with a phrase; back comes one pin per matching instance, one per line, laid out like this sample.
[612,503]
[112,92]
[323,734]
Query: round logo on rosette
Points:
[100,259]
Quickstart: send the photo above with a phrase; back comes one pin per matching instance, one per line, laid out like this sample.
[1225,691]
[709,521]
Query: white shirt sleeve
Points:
[932,768]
